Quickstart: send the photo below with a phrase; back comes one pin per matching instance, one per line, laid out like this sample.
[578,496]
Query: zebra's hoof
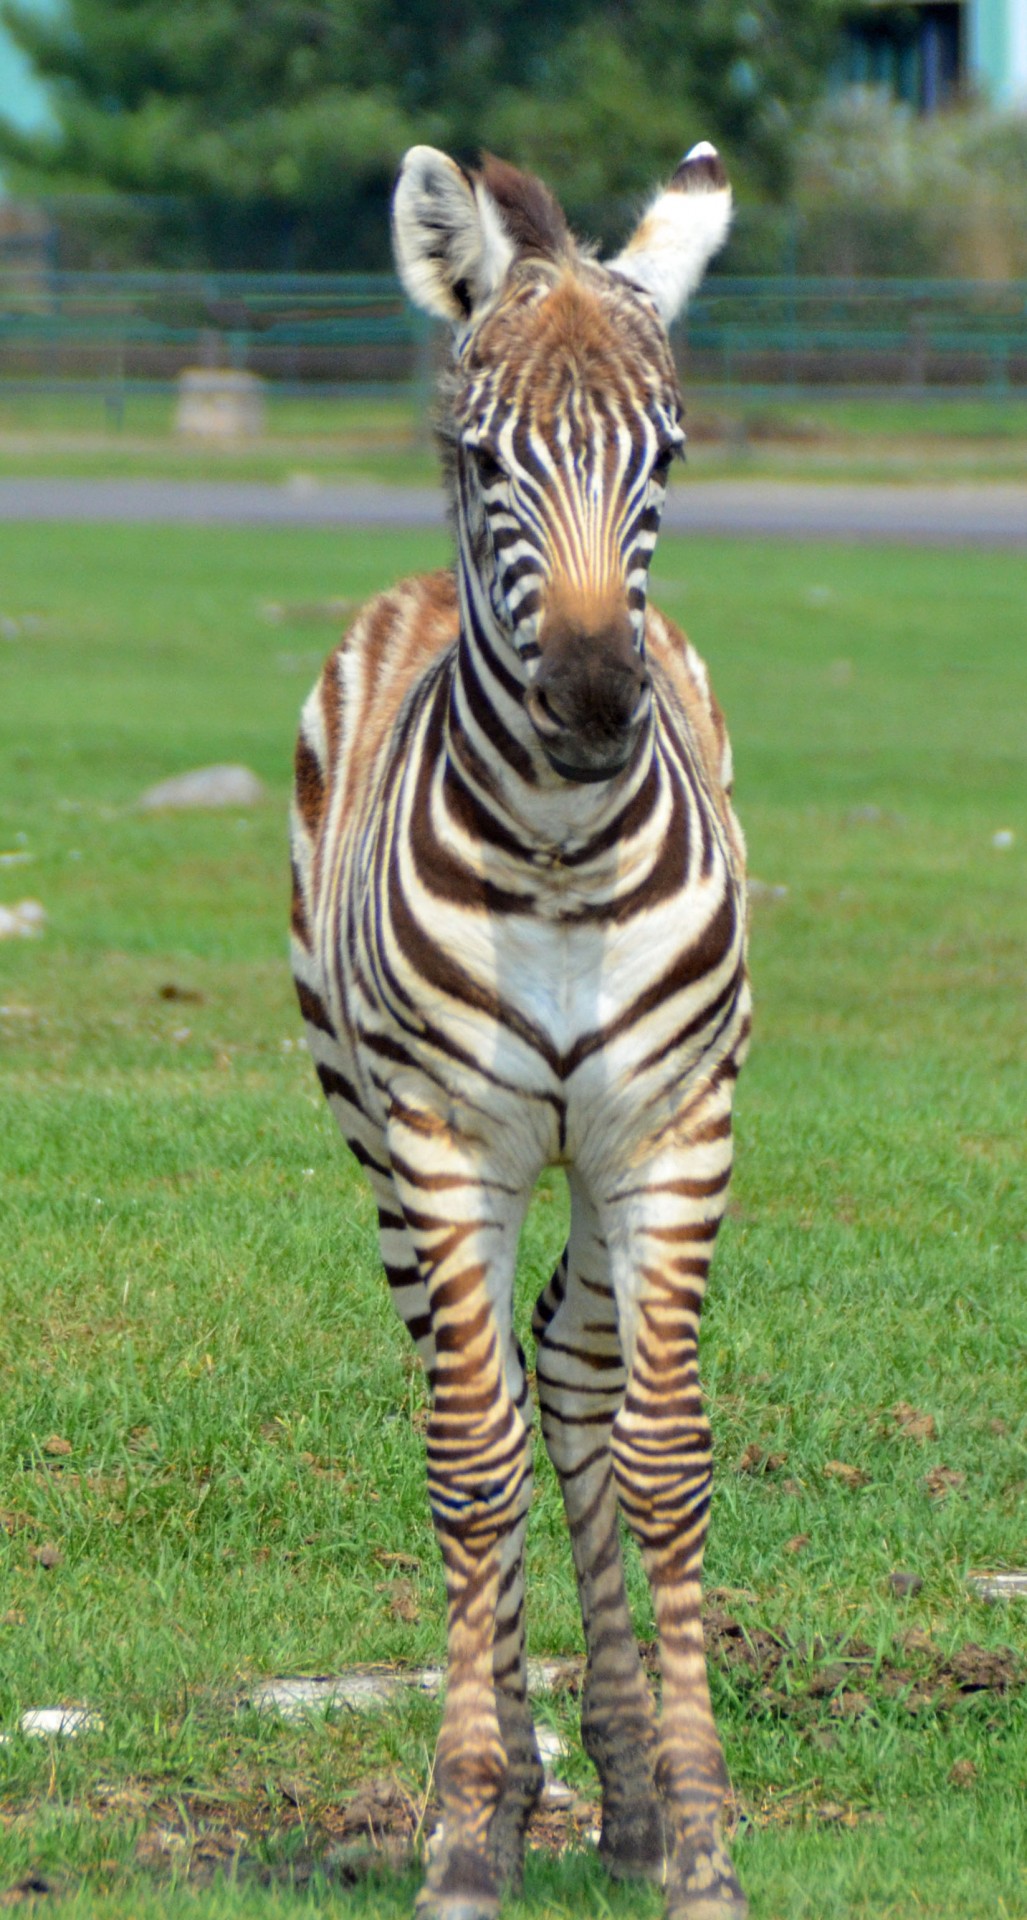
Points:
[631,1844]
[720,1898]
[461,1885]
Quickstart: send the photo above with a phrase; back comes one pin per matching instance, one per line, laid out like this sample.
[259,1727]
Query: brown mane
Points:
[531,216]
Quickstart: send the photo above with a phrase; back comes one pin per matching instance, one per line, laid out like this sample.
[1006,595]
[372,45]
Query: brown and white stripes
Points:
[519,935]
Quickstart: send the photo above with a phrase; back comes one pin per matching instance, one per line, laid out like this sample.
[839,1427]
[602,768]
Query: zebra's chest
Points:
[510,1011]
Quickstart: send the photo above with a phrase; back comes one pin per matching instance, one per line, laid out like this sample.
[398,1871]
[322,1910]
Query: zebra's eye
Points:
[490,473]
[662,464]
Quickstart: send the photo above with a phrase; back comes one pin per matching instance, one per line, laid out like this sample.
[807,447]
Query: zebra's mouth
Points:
[585,775]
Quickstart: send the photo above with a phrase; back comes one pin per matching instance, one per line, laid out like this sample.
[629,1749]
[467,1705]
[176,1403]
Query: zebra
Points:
[519,935]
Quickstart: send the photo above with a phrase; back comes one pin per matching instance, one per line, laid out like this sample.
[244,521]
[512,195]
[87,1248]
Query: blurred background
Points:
[205,187]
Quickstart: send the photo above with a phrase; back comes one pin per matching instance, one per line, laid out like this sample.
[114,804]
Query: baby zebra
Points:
[519,941]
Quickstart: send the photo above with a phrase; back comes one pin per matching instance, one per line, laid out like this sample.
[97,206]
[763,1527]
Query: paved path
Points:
[985,515]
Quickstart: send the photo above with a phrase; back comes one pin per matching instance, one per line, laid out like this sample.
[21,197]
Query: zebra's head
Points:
[561,416]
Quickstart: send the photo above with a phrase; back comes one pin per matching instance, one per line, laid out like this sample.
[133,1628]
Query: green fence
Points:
[115,332]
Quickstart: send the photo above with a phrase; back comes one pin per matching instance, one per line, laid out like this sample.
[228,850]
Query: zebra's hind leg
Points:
[581,1377]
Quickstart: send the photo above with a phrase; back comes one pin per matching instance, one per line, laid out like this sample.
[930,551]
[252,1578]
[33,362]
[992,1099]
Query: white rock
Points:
[23,921]
[1003,838]
[365,1689]
[999,1586]
[557,1794]
[61,1723]
[220,786]
[303,1694]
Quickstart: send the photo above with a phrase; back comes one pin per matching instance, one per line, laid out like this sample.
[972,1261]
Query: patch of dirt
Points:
[283,1832]
[32,1887]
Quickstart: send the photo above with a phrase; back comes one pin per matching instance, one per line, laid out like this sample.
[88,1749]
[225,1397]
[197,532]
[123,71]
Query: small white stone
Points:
[24,921]
[295,1697]
[556,1794]
[218,786]
[999,1586]
[1003,838]
[60,1723]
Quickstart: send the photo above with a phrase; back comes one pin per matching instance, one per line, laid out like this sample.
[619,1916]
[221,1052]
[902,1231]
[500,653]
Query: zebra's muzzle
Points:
[588,712]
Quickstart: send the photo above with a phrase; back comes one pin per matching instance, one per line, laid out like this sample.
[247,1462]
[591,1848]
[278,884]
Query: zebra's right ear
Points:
[450,243]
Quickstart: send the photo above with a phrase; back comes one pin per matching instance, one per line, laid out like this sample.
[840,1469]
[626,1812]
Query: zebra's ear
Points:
[668,253]
[450,243]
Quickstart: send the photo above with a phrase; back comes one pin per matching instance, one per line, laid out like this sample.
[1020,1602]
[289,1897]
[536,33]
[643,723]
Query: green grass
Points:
[733,434]
[190,1294]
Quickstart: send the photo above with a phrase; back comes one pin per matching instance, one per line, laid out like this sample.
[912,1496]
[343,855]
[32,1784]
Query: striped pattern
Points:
[501,969]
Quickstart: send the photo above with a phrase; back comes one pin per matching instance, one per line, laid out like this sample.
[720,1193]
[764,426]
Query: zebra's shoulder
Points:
[389,644]
[689,677]
[685,680]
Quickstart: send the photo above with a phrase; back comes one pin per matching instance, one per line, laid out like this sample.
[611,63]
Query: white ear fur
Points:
[668,253]
[450,244]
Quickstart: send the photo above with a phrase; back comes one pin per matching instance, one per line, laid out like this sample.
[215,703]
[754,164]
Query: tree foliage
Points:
[270,129]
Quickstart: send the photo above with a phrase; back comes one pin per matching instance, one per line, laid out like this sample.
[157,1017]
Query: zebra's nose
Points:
[590,697]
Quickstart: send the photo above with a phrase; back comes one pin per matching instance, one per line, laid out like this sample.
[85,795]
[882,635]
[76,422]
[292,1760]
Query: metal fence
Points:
[117,332]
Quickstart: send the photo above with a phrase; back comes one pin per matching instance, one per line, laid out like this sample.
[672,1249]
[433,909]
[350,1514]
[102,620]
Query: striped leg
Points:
[663,1228]
[464,1229]
[524,1777]
[581,1378]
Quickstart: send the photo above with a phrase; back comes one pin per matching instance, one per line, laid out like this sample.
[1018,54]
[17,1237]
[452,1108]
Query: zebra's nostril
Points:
[543,714]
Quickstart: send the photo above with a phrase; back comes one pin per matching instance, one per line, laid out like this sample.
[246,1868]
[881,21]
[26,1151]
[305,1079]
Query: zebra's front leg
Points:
[663,1227]
[581,1378]
[463,1224]
[524,1776]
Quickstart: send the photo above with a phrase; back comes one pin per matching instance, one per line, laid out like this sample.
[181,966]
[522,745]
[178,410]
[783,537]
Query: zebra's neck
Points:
[495,749]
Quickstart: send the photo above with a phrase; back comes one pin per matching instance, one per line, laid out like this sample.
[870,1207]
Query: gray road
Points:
[983,516]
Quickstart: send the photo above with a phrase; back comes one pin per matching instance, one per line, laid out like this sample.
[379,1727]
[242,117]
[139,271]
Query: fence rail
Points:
[115,331]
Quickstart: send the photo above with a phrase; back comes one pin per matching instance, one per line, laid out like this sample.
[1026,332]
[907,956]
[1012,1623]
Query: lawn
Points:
[210,1458]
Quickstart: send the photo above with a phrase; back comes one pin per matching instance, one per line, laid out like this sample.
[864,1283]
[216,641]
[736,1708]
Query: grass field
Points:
[210,1460]
[732,434]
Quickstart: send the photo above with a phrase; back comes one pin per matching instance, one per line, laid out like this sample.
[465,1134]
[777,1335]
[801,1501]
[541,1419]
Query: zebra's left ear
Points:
[451,245]
[687,223]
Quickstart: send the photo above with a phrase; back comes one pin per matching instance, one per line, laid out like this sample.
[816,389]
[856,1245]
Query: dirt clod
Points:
[849,1476]
[912,1424]
[33,1887]
[941,1481]
[47,1555]
[904,1584]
